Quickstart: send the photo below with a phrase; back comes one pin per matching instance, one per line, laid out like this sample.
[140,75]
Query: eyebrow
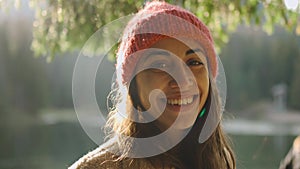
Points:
[159,53]
[165,53]
[153,53]
[191,51]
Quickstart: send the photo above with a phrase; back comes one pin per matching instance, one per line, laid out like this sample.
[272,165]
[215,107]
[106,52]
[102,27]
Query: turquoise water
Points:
[59,145]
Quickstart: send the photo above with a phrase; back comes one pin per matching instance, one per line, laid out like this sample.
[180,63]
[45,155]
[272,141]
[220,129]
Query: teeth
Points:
[184,101]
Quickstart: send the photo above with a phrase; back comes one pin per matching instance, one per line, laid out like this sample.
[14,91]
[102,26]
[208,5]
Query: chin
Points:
[180,124]
[184,124]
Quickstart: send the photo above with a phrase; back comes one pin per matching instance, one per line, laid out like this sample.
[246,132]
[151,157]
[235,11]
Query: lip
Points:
[178,108]
[181,95]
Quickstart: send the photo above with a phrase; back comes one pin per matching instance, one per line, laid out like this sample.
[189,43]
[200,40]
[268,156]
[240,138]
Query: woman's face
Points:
[181,73]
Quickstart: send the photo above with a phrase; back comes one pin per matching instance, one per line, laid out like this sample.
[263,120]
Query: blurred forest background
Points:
[257,41]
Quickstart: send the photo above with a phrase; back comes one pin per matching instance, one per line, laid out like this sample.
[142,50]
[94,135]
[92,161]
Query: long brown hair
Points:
[214,153]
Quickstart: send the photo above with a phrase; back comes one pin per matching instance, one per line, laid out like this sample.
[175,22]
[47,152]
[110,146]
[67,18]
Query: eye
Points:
[158,65]
[194,62]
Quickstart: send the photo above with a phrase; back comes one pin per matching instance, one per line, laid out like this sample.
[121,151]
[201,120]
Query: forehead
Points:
[183,48]
[173,45]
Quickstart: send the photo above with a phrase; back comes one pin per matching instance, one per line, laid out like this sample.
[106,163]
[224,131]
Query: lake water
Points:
[58,145]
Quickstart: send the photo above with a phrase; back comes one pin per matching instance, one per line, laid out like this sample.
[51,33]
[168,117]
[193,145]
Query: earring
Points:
[202,112]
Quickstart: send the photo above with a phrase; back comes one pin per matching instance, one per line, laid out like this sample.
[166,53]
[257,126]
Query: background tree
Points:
[254,62]
[295,89]
[22,84]
[65,25]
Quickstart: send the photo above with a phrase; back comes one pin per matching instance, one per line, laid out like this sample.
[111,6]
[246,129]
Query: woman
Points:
[165,97]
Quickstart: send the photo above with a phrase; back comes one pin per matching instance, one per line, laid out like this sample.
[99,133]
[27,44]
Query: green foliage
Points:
[66,25]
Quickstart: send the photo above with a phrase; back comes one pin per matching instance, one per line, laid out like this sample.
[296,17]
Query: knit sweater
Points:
[100,158]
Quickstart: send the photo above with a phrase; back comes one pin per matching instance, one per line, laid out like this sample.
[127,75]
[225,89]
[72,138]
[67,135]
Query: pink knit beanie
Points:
[159,20]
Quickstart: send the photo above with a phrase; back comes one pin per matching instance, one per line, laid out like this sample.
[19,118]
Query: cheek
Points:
[202,79]
[203,83]
[147,82]
[203,86]
[143,90]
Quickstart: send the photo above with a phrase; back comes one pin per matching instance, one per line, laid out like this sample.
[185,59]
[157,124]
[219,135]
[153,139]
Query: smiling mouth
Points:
[181,101]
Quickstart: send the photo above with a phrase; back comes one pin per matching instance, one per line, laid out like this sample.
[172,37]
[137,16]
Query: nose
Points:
[183,77]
